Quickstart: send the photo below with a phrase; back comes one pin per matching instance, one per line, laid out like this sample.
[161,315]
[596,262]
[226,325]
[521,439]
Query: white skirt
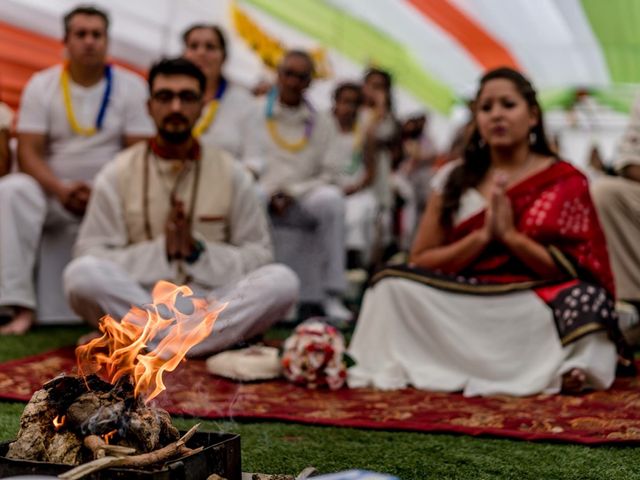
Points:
[413,334]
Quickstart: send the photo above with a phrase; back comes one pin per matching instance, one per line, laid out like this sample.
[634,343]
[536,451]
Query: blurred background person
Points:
[513,220]
[307,212]
[617,198]
[230,112]
[354,174]
[73,118]
[383,144]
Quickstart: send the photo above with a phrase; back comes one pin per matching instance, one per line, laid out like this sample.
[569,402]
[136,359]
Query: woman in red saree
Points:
[509,289]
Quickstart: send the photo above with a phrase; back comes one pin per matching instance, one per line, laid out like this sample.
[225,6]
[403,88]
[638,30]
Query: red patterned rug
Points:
[594,418]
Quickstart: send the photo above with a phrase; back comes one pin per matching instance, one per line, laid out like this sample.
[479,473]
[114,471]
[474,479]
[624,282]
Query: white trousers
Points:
[316,255]
[96,287]
[25,214]
[360,219]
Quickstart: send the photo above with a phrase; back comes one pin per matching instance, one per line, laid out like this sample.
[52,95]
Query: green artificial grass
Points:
[275,447]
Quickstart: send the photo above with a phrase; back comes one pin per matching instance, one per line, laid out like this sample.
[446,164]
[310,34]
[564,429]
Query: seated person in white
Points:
[383,150]
[509,290]
[73,118]
[296,181]
[353,174]
[230,110]
[617,199]
[171,209]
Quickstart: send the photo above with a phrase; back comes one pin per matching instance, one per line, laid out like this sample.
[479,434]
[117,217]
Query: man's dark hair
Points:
[207,26]
[343,87]
[85,10]
[177,66]
[382,73]
[301,54]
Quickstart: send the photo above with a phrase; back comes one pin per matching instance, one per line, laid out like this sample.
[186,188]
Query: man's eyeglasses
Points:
[188,97]
[302,76]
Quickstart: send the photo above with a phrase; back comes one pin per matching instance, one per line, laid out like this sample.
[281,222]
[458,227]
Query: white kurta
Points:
[30,219]
[236,115]
[107,233]
[76,157]
[413,334]
[116,267]
[306,175]
[297,173]
[363,206]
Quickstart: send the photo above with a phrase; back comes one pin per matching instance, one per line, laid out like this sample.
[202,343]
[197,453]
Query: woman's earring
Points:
[532,137]
[481,142]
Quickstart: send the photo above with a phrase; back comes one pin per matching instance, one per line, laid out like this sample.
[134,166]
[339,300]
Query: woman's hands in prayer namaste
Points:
[499,215]
[179,242]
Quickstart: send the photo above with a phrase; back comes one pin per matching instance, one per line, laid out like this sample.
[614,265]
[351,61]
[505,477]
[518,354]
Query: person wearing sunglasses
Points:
[177,210]
[73,118]
[306,211]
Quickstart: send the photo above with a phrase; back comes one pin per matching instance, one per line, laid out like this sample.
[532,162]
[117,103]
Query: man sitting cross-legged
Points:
[170,209]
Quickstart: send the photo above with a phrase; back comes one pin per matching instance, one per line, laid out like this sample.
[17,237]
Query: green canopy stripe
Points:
[616,24]
[360,42]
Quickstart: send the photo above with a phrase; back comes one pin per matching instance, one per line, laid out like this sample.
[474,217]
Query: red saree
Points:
[554,208]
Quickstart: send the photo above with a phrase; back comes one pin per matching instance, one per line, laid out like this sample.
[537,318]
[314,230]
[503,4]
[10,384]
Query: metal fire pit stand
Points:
[221,455]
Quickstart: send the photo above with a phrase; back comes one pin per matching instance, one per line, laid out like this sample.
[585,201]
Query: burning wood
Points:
[136,461]
[104,416]
[55,427]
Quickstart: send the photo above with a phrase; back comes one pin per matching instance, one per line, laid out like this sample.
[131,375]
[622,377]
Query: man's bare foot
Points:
[87,337]
[574,381]
[22,321]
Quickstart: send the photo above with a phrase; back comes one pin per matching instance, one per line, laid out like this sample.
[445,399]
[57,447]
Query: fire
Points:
[108,436]
[58,422]
[149,341]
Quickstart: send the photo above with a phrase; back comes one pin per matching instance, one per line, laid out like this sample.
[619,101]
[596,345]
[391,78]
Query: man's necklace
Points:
[68,104]
[155,151]
[272,126]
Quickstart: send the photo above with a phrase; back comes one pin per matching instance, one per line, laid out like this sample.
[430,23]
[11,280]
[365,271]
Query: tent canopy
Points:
[436,50]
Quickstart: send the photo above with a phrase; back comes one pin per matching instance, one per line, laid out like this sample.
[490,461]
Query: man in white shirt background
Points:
[73,118]
[306,210]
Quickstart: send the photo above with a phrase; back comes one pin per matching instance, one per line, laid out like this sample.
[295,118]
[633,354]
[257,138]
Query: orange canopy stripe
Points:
[479,43]
[22,53]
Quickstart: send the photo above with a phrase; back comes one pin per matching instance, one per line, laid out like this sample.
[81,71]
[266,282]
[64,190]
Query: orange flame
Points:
[58,422]
[121,351]
[108,436]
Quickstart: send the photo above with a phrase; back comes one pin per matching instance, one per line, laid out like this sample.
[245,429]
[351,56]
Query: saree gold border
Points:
[456,287]
[562,261]
[579,332]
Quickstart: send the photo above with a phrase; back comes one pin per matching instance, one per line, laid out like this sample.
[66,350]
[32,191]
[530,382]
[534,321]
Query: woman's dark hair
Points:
[345,86]
[207,26]
[387,80]
[176,66]
[476,158]
[386,76]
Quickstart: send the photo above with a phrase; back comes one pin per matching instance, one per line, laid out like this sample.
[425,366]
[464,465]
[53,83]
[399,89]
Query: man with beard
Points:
[171,209]
[73,118]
